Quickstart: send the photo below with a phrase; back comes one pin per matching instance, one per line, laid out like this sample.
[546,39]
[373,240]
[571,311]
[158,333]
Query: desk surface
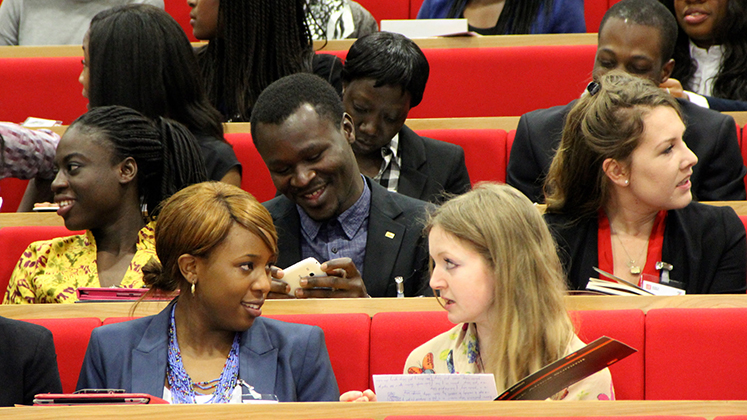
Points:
[367,306]
[379,410]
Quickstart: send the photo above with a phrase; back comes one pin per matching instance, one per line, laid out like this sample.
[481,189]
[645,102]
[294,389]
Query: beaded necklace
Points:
[182,387]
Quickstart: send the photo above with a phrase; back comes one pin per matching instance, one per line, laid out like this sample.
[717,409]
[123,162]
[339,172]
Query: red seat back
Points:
[696,354]
[255,177]
[389,9]
[71,336]
[626,326]
[179,10]
[395,334]
[15,239]
[503,81]
[44,87]
[484,151]
[347,337]
[12,190]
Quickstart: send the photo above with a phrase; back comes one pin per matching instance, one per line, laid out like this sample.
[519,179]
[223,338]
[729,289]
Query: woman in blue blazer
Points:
[216,243]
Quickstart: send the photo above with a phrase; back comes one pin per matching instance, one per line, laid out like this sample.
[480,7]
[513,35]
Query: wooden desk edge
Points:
[368,306]
[380,410]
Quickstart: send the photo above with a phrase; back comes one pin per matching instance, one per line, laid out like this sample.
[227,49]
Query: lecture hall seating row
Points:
[486,150]
[394,9]
[463,82]
[683,353]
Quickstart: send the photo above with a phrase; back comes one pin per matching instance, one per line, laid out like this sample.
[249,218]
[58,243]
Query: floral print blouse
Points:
[457,351]
[50,271]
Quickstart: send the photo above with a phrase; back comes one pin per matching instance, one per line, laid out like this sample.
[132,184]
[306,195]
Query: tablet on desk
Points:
[97,398]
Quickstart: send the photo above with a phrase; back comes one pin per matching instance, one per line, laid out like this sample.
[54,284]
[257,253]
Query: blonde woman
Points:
[497,274]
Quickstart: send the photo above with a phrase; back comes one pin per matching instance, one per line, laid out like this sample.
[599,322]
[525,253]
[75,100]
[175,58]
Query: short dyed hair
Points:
[195,221]
[389,59]
[284,96]
[647,13]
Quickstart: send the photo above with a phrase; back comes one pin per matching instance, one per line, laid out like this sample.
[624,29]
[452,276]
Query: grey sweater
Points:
[52,22]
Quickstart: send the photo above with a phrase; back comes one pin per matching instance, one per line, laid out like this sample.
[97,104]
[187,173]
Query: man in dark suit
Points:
[328,210]
[383,78]
[642,44]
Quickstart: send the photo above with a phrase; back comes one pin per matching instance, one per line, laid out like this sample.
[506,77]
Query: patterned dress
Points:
[50,271]
[457,351]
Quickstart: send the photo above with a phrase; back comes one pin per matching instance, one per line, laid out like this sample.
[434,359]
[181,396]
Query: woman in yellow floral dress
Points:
[111,162]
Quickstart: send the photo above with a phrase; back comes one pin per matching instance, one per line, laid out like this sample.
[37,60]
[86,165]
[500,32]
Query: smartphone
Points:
[309,267]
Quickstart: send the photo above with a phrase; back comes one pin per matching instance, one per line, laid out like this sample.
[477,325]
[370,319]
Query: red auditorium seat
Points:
[44,87]
[627,327]
[389,9]
[255,177]
[347,337]
[179,10]
[71,337]
[484,151]
[15,240]
[11,190]
[395,334]
[696,354]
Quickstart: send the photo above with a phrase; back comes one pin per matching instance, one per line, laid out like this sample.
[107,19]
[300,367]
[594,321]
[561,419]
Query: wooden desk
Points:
[367,306]
[379,410]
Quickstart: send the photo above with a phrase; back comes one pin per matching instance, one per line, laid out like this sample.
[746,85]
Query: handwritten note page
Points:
[436,387]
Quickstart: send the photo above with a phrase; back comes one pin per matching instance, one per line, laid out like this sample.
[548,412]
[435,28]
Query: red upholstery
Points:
[255,177]
[743,218]
[347,337]
[11,190]
[389,9]
[696,354]
[503,81]
[116,319]
[509,143]
[71,337]
[742,134]
[484,151]
[44,87]
[15,240]
[625,326]
[415,8]
[179,10]
[395,334]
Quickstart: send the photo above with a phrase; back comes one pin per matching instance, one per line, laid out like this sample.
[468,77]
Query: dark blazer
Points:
[288,360]
[395,246]
[726,105]
[430,167]
[718,175]
[28,363]
[705,244]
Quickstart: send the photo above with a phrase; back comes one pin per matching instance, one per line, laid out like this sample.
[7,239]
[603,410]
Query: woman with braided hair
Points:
[252,44]
[111,162]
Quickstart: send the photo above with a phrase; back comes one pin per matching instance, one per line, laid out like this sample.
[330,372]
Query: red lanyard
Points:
[655,243]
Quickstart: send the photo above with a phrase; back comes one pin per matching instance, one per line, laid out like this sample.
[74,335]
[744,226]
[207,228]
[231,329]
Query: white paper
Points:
[424,28]
[435,387]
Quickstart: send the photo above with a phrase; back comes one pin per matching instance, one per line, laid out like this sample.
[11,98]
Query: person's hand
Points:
[343,280]
[278,288]
[674,88]
[358,396]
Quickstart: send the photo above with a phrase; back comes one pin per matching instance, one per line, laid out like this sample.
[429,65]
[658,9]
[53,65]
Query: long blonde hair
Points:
[531,327]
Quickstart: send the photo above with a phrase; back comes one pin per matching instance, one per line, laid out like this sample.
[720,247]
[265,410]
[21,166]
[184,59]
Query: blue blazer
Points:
[275,357]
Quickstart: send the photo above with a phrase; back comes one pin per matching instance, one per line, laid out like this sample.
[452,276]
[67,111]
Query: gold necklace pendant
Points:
[635,270]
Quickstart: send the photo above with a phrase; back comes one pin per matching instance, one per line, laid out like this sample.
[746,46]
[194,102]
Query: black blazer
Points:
[430,167]
[395,246]
[718,175]
[705,244]
[28,363]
